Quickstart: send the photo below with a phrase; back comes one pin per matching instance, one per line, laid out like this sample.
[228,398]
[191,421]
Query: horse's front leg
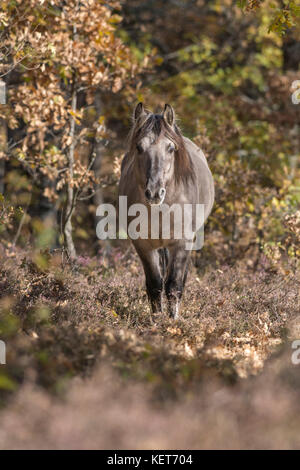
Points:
[176,277]
[154,278]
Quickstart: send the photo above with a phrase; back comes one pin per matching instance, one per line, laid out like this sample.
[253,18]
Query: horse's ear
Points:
[169,115]
[139,111]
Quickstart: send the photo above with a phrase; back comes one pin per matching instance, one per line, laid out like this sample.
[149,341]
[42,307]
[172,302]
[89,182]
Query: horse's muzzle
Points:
[155,197]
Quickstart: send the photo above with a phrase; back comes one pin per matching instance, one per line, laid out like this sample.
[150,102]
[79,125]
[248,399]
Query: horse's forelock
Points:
[156,124]
[183,165]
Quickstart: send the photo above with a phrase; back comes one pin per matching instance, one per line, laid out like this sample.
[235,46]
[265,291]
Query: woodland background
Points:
[73,310]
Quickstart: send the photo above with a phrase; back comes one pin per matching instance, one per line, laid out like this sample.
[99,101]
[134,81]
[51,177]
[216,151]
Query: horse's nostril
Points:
[162,192]
[148,194]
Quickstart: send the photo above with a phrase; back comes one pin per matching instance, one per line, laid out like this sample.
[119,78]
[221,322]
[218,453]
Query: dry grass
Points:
[87,366]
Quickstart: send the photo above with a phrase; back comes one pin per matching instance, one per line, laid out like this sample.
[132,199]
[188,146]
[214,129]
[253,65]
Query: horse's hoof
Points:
[174,316]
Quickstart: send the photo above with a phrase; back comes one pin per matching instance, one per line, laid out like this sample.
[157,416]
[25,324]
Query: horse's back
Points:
[204,179]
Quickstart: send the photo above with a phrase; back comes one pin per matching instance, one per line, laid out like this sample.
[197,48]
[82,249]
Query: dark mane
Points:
[156,123]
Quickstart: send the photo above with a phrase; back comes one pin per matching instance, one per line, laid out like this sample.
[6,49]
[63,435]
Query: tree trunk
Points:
[99,151]
[3,136]
[291,52]
[99,148]
[3,148]
[70,190]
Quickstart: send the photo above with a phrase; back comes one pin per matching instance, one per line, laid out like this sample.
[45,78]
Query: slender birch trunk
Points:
[3,148]
[70,157]
[70,190]
[99,149]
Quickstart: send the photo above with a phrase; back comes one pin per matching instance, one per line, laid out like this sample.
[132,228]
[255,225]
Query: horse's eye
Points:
[171,148]
[139,148]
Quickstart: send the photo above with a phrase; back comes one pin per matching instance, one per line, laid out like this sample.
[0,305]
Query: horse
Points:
[163,168]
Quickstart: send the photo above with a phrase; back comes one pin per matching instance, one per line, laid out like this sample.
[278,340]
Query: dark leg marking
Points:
[154,278]
[177,273]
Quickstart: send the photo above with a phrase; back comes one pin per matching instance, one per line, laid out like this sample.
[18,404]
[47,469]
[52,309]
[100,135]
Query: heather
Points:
[85,351]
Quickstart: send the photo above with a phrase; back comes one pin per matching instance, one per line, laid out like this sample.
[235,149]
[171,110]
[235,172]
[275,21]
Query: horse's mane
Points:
[156,123]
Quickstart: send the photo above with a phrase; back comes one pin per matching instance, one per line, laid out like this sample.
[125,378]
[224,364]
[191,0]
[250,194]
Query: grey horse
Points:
[162,168]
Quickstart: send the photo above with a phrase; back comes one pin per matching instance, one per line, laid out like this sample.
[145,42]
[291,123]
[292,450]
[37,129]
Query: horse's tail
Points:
[163,261]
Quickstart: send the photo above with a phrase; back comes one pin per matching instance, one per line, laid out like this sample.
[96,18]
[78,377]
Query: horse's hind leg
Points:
[153,274]
[177,273]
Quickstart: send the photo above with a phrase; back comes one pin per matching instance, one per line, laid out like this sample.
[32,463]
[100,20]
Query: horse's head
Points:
[156,145]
